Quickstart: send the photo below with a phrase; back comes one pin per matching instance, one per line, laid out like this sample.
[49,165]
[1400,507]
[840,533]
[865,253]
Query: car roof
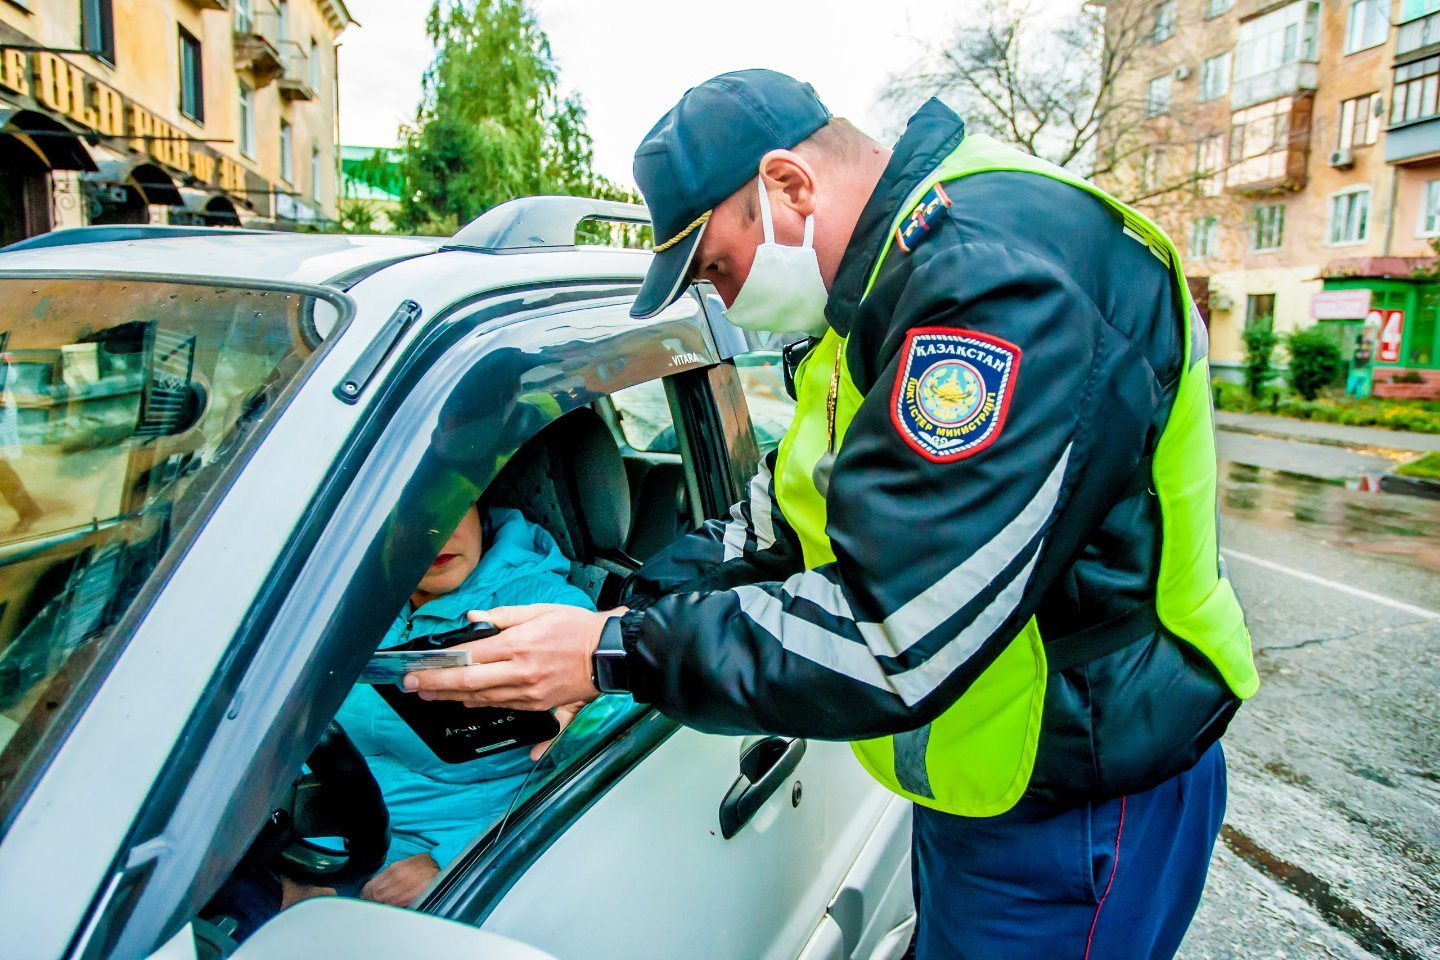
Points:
[540,228]
[293,257]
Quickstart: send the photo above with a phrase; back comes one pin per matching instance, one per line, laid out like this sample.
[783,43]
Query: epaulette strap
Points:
[914,229]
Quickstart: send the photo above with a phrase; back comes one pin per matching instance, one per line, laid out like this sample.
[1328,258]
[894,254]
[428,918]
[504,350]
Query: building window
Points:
[1259,143]
[1157,96]
[1430,211]
[287,152]
[1357,124]
[1209,160]
[1415,90]
[247,120]
[315,173]
[1260,310]
[314,66]
[1164,21]
[1367,24]
[1410,9]
[244,16]
[1152,169]
[1268,227]
[1349,217]
[1288,35]
[1215,77]
[192,78]
[1213,8]
[1204,238]
[97,29]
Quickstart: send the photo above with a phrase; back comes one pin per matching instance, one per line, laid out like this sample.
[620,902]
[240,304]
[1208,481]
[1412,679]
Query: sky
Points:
[630,60]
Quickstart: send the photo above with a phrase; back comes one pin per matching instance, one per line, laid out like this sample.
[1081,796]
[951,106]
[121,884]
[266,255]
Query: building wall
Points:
[146,70]
[1305,180]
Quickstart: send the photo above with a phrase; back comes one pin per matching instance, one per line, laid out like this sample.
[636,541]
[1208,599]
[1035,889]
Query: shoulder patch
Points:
[952,391]
[916,227]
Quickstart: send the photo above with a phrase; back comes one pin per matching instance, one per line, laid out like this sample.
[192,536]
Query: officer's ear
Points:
[790,181]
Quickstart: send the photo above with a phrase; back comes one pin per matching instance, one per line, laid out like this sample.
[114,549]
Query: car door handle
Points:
[763,768]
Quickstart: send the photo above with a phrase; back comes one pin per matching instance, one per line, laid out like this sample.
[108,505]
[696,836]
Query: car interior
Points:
[609,505]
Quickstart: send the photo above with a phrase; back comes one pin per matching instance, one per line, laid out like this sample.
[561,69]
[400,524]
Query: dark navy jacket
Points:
[939,564]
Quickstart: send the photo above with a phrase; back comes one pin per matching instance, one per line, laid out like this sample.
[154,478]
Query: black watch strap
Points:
[609,671]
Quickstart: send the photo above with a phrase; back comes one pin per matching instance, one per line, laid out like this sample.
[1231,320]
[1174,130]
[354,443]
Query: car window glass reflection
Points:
[762,377]
[121,403]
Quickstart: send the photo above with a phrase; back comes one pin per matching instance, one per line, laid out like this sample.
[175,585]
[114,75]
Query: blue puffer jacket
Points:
[438,807]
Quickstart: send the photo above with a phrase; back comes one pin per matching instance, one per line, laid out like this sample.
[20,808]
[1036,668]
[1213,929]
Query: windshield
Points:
[121,402]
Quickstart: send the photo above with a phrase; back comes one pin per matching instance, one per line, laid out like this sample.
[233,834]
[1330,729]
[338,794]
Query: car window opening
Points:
[571,515]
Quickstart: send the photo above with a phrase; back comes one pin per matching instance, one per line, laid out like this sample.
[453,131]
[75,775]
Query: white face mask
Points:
[784,292]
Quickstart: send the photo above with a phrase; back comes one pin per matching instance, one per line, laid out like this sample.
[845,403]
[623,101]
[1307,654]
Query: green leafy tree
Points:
[491,124]
[1315,361]
[1260,341]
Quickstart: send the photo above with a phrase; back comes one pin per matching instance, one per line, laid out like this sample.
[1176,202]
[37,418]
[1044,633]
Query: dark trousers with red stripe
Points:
[1115,880]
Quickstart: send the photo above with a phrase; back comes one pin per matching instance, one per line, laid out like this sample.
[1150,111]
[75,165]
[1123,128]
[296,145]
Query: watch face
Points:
[611,675]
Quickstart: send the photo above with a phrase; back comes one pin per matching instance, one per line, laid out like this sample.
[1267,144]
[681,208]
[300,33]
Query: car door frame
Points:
[271,704]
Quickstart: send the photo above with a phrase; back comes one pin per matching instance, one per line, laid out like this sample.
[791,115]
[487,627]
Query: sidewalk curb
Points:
[1410,486]
[1297,438]
[1392,483]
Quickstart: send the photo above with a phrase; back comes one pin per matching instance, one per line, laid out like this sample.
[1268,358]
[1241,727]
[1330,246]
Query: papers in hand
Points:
[390,666]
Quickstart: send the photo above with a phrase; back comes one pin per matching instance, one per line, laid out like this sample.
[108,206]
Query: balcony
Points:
[295,78]
[1273,152]
[210,4]
[257,47]
[1413,142]
[1251,9]
[1417,34]
[1282,81]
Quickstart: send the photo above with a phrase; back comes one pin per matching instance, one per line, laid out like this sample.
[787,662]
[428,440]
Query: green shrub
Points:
[1409,376]
[1260,343]
[1315,361]
[1418,416]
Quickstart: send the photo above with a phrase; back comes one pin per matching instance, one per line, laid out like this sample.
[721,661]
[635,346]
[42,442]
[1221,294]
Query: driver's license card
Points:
[390,666]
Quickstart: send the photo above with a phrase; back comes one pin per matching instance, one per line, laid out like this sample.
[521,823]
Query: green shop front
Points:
[1384,313]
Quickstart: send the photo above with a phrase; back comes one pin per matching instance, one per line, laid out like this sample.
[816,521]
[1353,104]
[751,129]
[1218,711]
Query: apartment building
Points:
[167,111]
[1292,151]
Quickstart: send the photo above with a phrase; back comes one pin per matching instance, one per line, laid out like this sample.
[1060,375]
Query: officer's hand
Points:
[540,660]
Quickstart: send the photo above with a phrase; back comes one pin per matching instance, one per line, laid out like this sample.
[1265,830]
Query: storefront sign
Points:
[1340,305]
[55,85]
[1392,329]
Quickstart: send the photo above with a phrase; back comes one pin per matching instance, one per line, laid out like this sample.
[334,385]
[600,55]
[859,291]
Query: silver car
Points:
[225,456]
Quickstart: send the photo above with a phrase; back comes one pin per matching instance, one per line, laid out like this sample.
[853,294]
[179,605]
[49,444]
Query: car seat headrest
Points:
[597,474]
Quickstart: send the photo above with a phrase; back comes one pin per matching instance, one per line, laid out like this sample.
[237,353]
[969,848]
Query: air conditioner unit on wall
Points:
[1181,72]
[1219,301]
[1342,158]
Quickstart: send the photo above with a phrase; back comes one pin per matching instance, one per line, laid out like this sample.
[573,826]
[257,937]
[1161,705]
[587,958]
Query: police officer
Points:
[985,550]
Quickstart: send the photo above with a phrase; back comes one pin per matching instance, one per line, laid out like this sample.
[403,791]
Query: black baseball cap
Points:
[708,146]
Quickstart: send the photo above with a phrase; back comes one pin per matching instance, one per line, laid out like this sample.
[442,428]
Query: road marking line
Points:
[1343,588]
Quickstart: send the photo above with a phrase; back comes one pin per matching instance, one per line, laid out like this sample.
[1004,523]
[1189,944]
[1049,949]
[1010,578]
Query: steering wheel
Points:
[338,798]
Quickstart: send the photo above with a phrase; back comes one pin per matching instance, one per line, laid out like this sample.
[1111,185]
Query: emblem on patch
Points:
[952,392]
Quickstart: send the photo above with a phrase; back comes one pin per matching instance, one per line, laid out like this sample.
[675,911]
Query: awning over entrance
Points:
[150,180]
[1400,268]
[58,145]
[204,209]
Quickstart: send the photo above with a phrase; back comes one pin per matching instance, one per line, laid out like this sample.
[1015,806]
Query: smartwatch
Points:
[608,669]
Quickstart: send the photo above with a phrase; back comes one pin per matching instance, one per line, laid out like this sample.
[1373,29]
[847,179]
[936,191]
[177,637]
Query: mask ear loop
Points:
[765,220]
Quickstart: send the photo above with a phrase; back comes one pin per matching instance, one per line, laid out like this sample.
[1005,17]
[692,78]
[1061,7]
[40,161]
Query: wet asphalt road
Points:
[1332,840]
